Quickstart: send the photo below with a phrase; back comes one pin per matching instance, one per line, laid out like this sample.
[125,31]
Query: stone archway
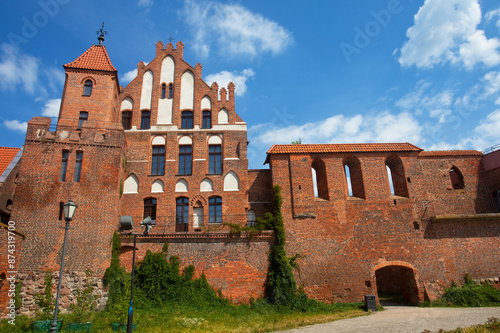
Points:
[399,279]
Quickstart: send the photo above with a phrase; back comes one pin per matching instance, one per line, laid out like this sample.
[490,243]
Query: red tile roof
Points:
[437,153]
[343,148]
[95,58]
[6,156]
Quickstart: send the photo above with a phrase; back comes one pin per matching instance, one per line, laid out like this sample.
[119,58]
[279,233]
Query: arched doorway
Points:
[397,284]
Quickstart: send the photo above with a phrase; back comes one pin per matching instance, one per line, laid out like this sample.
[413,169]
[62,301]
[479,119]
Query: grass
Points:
[240,318]
[491,326]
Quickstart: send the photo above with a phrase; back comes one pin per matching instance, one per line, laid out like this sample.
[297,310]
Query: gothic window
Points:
[215,210]
[150,208]
[158,161]
[87,88]
[207,119]
[320,183]
[84,116]
[170,91]
[354,177]
[127,120]
[214,159]
[457,179]
[187,119]
[396,176]
[181,214]
[251,219]
[145,119]
[78,166]
[64,165]
[185,160]
[163,90]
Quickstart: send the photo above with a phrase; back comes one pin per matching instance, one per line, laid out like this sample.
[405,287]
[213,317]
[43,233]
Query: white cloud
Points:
[239,79]
[421,101]
[233,30]
[490,127]
[16,125]
[17,70]
[51,108]
[492,15]
[128,76]
[147,4]
[382,127]
[446,31]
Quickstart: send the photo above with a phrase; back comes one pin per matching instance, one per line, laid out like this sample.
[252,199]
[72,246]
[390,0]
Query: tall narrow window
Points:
[84,116]
[320,183]
[145,119]
[185,160]
[170,91]
[396,174]
[163,90]
[64,165]
[187,119]
[354,177]
[150,208]
[215,210]
[87,88]
[457,179]
[214,159]
[127,120]
[181,214]
[207,119]
[158,161]
[78,166]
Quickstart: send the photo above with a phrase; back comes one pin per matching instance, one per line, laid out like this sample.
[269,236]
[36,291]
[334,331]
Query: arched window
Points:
[354,177]
[207,119]
[187,119]
[181,214]
[163,90]
[84,116]
[319,178]
[396,176]
[170,91]
[457,179]
[87,88]
[145,119]
[127,120]
[150,208]
[215,210]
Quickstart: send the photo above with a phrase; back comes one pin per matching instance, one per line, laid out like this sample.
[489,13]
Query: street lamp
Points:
[69,209]
[126,223]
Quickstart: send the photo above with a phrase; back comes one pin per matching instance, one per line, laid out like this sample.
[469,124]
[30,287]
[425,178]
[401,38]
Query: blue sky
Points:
[425,72]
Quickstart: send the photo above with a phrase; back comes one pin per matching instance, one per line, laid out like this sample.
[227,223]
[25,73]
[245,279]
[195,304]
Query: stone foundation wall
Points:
[33,284]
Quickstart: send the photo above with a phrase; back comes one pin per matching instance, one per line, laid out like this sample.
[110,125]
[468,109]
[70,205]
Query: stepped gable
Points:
[95,58]
[6,156]
[342,148]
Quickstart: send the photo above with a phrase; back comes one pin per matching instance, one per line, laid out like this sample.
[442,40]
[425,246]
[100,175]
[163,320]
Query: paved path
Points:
[403,319]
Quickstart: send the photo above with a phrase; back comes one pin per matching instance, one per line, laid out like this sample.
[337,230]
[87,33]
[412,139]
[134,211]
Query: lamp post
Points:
[69,209]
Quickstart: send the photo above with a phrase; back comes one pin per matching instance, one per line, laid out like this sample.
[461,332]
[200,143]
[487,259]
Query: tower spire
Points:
[101,34]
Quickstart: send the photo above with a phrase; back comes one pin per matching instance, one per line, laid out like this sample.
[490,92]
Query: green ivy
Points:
[115,277]
[45,301]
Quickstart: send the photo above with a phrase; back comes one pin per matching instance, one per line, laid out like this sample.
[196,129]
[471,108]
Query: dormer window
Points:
[87,88]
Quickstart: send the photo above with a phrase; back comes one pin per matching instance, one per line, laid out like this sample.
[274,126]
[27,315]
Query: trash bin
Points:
[371,303]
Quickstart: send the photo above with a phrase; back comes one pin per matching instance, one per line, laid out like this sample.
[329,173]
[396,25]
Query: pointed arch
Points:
[231,182]
[354,177]
[131,184]
[319,178]
[223,117]
[396,176]
[147,90]
[457,179]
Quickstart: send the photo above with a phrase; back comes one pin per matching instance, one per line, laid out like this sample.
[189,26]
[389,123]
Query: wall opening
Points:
[354,177]
[396,176]
[457,179]
[320,182]
[397,285]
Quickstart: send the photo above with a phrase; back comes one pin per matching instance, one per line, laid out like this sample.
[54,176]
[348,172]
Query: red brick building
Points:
[172,147]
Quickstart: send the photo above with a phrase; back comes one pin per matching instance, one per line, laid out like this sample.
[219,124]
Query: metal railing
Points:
[166,224]
[491,149]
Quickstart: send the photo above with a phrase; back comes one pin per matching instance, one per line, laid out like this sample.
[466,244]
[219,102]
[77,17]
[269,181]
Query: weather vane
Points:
[101,34]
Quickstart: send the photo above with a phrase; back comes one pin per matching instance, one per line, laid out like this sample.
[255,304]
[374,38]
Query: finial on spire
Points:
[101,34]
[170,39]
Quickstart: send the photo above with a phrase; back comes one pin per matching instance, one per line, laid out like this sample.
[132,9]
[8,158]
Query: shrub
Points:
[472,294]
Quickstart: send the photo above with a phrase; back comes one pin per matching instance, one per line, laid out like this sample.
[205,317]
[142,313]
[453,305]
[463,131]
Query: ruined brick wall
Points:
[236,266]
[345,239]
